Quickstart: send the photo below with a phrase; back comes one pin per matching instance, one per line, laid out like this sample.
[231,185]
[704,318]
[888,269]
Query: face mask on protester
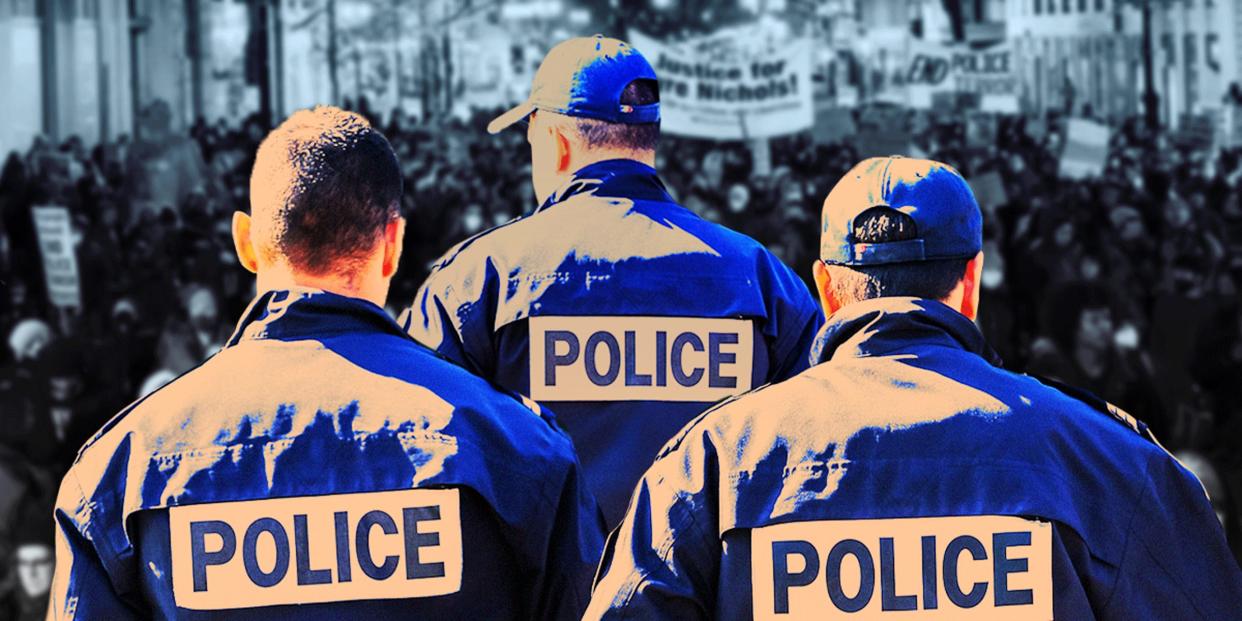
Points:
[739,198]
[1127,337]
[993,278]
[472,220]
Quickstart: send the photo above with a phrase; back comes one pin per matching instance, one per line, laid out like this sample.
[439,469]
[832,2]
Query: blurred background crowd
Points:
[1123,279]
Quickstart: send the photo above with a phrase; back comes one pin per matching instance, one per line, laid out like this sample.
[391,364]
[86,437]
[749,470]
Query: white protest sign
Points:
[738,86]
[761,157]
[988,72]
[1086,148]
[60,264]
[928,72]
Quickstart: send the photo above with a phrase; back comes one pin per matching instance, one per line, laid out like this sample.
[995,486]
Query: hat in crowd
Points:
[938,201]
[201,302]
[124,307]
[28,338]
[584,77]
[1122,215]
[155,381]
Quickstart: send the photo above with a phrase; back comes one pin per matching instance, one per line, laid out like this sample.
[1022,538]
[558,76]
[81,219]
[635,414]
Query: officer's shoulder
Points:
[735,416]
[113,434]
[1133,432]
[1090,404]
[481,402]
[757,256]
[734,241]
[467,253]
[416,357]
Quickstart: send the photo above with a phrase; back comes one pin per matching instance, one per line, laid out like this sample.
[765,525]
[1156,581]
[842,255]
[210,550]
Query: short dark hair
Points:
[324,186]
[626,136]
[933,280]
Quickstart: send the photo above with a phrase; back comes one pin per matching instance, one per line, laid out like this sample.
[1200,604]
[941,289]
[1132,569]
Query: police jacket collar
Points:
[622,178]
[886,326]
[305,313]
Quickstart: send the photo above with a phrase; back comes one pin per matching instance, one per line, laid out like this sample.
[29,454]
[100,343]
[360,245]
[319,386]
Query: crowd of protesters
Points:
[1126,284]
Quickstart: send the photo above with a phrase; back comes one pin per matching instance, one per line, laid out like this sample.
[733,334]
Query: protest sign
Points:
[761,156]
[1086,149]
[734,86]
[987,71]
[928,74]
[1196,131]
[986,74]
[1001,104]
[60,264]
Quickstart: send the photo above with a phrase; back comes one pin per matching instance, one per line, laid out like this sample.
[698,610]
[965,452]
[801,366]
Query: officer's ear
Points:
[970,287]
[242,243]
[823,286]
[394,242]
[564,149]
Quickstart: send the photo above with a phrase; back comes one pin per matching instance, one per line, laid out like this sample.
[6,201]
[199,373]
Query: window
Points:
[1192,73]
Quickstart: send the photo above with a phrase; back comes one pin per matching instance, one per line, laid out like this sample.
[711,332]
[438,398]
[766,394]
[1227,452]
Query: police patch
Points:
[639,358]
[311,549]
[964,567]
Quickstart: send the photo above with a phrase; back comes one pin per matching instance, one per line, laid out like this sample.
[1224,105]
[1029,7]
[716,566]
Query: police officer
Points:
[623,311]
[908,476]
[323,465]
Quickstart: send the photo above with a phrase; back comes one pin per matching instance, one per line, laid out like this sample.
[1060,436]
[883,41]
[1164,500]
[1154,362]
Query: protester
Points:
[32,563]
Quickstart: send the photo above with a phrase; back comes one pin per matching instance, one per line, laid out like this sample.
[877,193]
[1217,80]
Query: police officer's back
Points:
[908,476]
[323,464]
[624,311]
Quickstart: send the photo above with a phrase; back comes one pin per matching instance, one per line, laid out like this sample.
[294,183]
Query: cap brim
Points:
[514,115]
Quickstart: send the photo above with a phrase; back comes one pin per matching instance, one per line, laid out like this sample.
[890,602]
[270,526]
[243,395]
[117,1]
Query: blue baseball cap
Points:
[584,77]
[946,216]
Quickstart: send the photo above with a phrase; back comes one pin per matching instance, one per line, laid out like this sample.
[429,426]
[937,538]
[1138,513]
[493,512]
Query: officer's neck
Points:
[365,283]
[567,170]
[583,159]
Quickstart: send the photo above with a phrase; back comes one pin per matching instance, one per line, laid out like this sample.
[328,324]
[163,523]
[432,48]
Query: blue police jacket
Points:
[623,311]
[323,465]
[909,477]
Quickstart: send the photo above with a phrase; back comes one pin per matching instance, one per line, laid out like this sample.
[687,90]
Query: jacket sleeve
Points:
[798,320]
[1177,564]
[663,561]
[454,313]
[81,586]
[575,542]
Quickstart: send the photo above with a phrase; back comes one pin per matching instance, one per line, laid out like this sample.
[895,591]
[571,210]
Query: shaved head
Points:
[324,186]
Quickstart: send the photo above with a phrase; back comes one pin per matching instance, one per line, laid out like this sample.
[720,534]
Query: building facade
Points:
[64,65]
[1086,56]
[87,68]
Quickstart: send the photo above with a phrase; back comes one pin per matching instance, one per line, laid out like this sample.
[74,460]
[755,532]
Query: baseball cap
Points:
[584,77]
[945,214]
